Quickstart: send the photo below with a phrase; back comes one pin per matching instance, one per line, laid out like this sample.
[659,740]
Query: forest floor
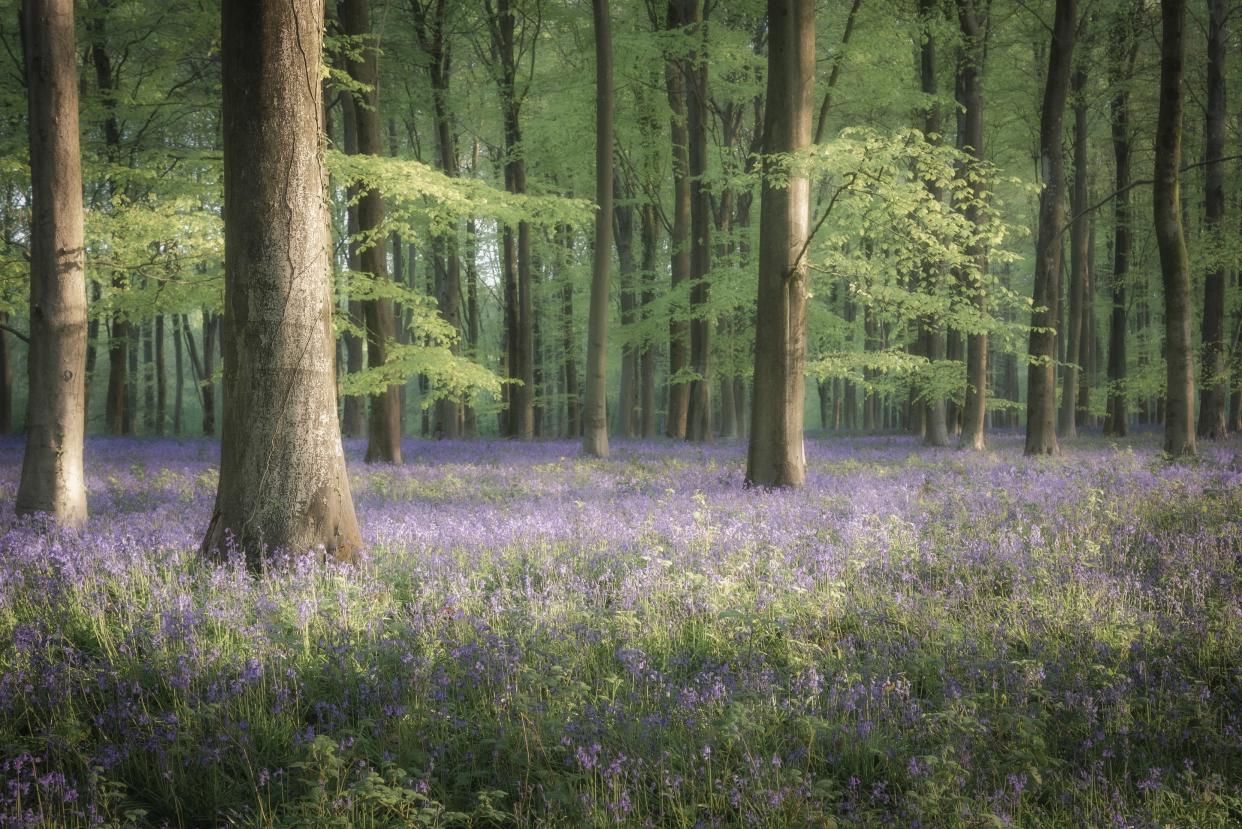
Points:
[916,638]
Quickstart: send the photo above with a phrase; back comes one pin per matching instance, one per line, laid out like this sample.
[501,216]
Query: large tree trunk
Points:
[1179,431]
[776,455]
[1080,252]
[595,435]
[1123,51]
[384,422]
[1214,396]
[52,478]
[283,484]
[1041,410]
[973,30]
[679,244]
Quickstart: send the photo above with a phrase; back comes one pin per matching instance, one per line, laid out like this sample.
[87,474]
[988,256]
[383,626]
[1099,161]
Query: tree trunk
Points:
[52,477]
[699,416]
[161,380]
[209,371]
[595,435]
[931,331]
[472,316]
[647,357]
[6,383]
[179,387]
[384,422]
[776,454]
[1067,424]
[679,331]
[1179,431]
[1041,435]
[623,230]
[283,484]
[1214,396]
[973,29]
[1123,50]
[146,335]
[569,342]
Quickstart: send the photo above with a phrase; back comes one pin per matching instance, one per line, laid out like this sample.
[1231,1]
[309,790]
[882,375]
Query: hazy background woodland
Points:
[455,143]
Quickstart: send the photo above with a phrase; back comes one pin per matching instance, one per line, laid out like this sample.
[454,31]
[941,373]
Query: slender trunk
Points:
[679,331]
[1121,66]
[52,477]
[1214,396]
[384,422]
[623,231]
[931,331]
[647,357]
[472,316]
[1179,432]
[146,333]
[1041,436]
[161,380]
[595,435]
[974,34]
[179,386]
[209,370]
[569,342]
[776,454]
[1067,426]
[699,416]
[6,382]
[283,485]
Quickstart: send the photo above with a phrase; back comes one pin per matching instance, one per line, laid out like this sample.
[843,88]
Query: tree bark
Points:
[384,421]
[679,331]
[161,380]
[1067,424]
[647,356]
[699,416]
[6,383]
[1123,51]
[283,484]
[430,22]
[974,34]
[1179,431]
[210,328]
[595,435]
[776,455]
[179,386]
[52,477]
[1041,435]
[623,231]
[1214,396]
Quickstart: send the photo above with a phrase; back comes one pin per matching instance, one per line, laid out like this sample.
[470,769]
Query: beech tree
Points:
[595,412]
[776,456]
[1179,427]
[1215,392]
[1041,436]
[283,484]
[53,479]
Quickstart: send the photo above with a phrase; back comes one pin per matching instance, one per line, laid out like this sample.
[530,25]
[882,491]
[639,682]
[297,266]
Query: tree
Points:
[1080,252]
[1179,430]
[974,27]
[1041,436]
[384,423]
[595,413]
[1122,54]
[1215,393]
[776,456]
[931,331]
[282,484]
[53,478]
[679,331]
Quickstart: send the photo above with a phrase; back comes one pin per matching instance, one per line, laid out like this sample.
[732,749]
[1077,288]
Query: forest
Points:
[564,413]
